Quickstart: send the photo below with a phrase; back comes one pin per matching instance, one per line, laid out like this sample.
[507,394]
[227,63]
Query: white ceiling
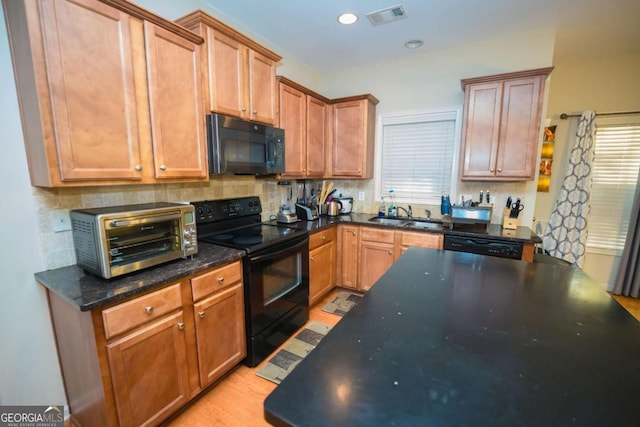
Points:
[308,30]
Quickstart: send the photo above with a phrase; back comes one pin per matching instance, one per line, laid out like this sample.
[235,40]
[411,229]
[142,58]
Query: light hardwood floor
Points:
[237,399]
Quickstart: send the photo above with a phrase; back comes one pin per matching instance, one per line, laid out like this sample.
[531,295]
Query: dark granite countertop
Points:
[493,231]
[454,339]
[87,292]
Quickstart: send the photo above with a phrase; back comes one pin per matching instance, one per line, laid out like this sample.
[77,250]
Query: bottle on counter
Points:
[382,210]
[445,205]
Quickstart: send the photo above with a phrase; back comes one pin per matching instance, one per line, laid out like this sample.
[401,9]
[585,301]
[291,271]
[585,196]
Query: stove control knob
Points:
[187,233]
[187,243]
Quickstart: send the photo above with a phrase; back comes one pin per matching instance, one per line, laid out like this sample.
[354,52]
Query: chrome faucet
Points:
[407,211]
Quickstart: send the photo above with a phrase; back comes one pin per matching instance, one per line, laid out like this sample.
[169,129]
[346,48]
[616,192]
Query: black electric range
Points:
[275,270]
[237,223]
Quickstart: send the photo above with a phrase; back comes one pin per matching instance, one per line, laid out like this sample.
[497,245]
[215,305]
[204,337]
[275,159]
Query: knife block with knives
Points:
[510,214]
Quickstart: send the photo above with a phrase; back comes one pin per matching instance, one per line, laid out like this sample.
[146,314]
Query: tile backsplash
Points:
[58,249]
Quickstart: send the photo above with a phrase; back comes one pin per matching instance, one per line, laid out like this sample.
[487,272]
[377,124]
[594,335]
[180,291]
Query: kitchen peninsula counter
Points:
[86,291]
[450,338]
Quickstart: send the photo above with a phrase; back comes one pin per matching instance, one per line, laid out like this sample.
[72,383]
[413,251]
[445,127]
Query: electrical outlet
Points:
[60,220]
[361,196]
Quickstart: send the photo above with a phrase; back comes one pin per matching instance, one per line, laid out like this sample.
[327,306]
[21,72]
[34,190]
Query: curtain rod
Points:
[565,116]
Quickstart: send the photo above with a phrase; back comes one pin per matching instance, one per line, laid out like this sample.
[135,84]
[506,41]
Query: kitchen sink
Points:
[418,223]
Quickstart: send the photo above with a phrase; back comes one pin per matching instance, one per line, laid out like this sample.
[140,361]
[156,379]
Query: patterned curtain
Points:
[566,233]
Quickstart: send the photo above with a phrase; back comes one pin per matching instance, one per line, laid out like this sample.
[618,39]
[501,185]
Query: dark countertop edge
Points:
[494,231]
[87,292]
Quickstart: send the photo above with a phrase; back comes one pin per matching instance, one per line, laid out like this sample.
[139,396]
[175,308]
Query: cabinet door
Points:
[316,136]
[406,239]
[348,143]
[321,271]
[227,59]
[149,372]
[348,256]
[519,128]
[481,129]
[220,331]
[293,121]
[91,79]
[177,119]
[376,258]
[261,90]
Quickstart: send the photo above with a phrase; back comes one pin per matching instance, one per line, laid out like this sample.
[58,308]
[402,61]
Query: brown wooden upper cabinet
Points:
[240,74]
[501,125]
[352,151]
[303,116]
[109,93]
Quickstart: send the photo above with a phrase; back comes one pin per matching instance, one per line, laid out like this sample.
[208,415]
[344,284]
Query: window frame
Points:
[415,116]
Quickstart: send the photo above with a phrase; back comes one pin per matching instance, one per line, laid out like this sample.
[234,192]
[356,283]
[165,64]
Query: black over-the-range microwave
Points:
[242,147]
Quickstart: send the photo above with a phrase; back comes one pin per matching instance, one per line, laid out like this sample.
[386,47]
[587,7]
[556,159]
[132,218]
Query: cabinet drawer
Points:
[423,240]
[322,237]
[131,314]
[377,235]
[210,282]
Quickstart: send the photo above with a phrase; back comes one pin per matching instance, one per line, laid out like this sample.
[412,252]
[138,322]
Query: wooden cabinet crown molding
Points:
[366,96]
[298,86]
[198,16]
[506,76]
[141,13]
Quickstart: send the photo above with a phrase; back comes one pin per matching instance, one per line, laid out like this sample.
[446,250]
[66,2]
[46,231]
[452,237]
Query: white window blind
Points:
[417,156]
[614,179]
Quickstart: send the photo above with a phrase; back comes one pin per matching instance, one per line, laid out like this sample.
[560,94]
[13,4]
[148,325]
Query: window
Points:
[417,155]
[614,179]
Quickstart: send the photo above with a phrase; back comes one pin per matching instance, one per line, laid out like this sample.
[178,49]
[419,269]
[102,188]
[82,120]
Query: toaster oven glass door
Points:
[141,242]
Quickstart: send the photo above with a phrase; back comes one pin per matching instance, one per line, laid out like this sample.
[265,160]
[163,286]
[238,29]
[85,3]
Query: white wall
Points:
[29,368]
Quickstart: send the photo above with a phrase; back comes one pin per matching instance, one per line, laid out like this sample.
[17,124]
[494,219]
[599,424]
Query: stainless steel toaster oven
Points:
[116,240]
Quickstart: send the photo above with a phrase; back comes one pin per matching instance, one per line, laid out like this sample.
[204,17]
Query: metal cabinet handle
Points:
[180,325]
[499,169]
[148,309]
[243,109]
[390,253]
[138,168]
[311,258]
[490,169]
[324,237]
[221,280]
[163,168]
[201,313]
[255,111]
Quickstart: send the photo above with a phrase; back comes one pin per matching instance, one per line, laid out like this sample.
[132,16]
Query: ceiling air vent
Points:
[384,16]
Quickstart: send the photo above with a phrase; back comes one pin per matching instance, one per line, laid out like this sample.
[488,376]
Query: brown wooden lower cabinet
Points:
[348,255]
[376,255]
[137,362]
[322,263]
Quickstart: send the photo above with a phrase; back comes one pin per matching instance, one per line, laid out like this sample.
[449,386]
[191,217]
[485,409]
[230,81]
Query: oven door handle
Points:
[280,252]
[142,220]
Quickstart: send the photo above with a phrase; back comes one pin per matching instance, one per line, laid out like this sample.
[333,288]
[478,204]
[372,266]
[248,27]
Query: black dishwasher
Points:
[484,246]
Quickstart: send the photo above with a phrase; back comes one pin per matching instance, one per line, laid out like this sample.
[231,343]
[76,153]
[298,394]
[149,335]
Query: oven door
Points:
[276,295]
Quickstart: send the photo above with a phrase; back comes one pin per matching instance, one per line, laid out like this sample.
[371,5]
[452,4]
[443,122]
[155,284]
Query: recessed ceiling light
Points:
[348,18]
[413,44]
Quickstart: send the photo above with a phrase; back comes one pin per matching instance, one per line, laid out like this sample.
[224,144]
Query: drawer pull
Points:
[201,313]
[221,280]
[311,258]
[324,237]
[148,309]
[180,325]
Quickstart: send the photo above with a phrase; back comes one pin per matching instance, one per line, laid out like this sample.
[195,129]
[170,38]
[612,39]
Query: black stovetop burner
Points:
[237,223]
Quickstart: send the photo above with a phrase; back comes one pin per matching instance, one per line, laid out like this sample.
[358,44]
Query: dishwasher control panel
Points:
[484,246]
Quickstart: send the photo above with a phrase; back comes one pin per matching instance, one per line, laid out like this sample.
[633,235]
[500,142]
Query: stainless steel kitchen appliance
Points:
[347,204]
[241,147]
[276,269]
[116,240]
[306,200]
